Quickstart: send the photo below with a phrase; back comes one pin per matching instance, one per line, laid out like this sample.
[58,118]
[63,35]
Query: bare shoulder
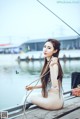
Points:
[54,61]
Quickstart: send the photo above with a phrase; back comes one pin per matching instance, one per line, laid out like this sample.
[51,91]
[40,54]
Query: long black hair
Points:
[45,69]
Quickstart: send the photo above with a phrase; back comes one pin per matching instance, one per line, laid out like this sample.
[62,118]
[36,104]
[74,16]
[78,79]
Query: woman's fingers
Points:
[29,87]
[54,60]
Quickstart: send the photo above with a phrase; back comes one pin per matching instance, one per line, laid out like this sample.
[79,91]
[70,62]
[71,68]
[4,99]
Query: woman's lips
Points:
[45,53]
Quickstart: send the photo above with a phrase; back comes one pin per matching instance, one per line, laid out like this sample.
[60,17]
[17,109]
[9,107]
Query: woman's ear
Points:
[55,51]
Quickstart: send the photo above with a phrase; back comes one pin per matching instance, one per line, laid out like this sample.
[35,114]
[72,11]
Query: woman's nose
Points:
[45,49]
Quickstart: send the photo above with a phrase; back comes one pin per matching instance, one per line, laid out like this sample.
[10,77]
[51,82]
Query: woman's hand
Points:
[33,87]
[54,60]
[29,88]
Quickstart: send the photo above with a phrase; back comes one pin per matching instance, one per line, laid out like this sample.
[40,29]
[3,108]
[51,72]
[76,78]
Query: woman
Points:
[51,79]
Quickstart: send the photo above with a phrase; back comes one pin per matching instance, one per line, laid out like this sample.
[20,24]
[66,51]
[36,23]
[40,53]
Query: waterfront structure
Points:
[67,43]
[70,48]
[32,49]
[9,49]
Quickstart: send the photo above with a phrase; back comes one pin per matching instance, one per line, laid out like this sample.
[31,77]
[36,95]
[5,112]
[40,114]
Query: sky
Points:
[21,20]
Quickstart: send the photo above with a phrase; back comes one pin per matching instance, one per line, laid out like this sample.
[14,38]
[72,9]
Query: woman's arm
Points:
[54,75]
[33,87]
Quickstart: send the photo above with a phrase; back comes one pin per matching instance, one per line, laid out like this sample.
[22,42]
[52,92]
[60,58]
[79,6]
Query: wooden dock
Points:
[71,110]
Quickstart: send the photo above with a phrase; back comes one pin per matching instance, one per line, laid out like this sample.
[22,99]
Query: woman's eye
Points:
[46,47]
[49,47]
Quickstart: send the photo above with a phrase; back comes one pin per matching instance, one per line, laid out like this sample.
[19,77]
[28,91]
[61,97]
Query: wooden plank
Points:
[73,115]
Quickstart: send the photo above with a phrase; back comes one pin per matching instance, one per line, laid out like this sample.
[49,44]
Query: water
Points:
[15,76]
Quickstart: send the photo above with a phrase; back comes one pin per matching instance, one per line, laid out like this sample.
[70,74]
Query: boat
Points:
[71,107]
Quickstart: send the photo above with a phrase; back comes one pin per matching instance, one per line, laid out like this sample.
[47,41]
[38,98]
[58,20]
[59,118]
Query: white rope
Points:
[32,89]
[27,94]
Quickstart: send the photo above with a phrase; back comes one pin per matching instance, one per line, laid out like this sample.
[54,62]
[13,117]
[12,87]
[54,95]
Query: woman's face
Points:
[48,50]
